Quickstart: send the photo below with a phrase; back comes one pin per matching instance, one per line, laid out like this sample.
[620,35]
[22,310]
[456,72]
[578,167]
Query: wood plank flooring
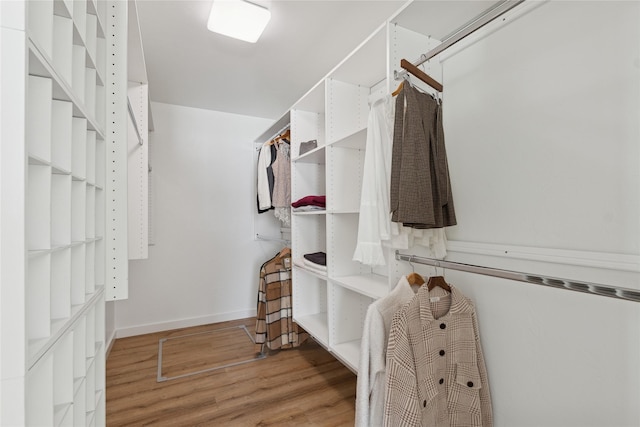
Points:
[298,387]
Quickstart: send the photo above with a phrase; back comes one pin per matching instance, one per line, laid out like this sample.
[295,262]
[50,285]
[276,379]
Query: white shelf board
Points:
[306,213]
[316,326]
[60,412]
[37,160]
[366,65]
[313,100]
[92,9]
[77,383]
[314,156]
[372,285]
[276,127]
[343,211]
[60,9]
[40,65]
[357,140]
[302,267]
[348,353]
[59,170]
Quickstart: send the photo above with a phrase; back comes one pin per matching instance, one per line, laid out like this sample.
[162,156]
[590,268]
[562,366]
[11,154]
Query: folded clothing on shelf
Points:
[305,147]
[317,258]
[310,201]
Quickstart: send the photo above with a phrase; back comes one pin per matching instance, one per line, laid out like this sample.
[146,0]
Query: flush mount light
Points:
[238,19]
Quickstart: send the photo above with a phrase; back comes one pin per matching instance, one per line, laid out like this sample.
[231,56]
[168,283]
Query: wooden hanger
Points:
[438,281]
[415,279]
[420,74]
[284,135]
[284,253]
[398,89]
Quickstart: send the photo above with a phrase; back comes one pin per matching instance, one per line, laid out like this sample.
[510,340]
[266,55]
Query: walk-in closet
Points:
[361,213]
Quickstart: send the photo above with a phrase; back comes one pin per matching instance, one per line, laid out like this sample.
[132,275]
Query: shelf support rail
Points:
[467,29]
[536,279]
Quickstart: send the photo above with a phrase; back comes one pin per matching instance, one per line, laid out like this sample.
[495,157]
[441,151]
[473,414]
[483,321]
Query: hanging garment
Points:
[370,386]
[281,198]
[275,327]
[420,187]
[406,237]
[374,220]
[265,177]
[436,375]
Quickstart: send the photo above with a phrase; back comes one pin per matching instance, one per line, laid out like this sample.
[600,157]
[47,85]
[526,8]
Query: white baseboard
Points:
[182,323]
[110,341]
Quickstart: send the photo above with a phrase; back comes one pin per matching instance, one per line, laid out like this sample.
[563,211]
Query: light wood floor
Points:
[298,387]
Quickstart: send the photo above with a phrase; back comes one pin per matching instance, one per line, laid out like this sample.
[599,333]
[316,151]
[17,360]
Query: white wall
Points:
[543,139]
[205,263]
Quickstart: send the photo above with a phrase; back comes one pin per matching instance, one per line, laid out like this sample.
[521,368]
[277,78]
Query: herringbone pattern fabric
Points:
[420,191]
[436,375]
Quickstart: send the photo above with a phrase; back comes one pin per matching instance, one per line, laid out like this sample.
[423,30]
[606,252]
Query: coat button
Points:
[470,384]
[442,326]
[441,352]
[441,381]
[424,404]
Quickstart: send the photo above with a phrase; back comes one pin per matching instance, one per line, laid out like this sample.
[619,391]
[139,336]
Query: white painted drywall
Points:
[205,263]
[542,123]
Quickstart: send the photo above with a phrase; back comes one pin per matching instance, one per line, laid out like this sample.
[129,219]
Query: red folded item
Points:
[311,200]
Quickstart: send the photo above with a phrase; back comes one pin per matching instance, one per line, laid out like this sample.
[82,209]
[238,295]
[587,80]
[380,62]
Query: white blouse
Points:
[374,225]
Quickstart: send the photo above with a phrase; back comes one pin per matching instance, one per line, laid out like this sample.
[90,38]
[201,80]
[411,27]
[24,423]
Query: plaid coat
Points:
[436,374]
[275,327]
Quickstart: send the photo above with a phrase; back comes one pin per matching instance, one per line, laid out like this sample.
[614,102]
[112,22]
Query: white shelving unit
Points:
[334,112]
[53,369]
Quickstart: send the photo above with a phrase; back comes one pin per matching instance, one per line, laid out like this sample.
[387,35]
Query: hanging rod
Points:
[272,239]
[279,132]
[467,29]
[554,282]
[133,119]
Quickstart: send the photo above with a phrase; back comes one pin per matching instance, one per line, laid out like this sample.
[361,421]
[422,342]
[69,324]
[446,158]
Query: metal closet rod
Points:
[553,282]
[272,239]
[467,29]
[279,132]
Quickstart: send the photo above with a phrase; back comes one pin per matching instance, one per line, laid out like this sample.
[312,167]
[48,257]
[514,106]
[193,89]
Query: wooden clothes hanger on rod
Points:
[285,252]
[438,281]
[414,278]
[420,74]
[398,89]
[286,135]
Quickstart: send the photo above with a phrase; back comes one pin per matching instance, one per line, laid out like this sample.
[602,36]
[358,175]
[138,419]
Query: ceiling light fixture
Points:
[238,19]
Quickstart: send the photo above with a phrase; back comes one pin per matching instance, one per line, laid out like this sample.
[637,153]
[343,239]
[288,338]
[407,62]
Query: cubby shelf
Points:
[371,285]
[64,53]
[314,156]
[316,325]
[298,264]
[348,353]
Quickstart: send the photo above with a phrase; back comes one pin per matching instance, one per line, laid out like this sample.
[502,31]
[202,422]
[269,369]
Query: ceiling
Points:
[190,66]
